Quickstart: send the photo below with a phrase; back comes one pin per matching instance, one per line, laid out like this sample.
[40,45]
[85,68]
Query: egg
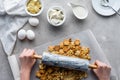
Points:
[33,21]
[21,34]
[30,35]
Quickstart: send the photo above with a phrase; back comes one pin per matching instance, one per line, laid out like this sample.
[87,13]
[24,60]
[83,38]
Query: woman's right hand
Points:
[103,70]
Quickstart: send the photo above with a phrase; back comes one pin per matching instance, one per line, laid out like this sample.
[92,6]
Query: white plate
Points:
[106,11]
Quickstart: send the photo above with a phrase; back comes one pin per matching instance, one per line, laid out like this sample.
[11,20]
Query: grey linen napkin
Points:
[14,67]
[12,18]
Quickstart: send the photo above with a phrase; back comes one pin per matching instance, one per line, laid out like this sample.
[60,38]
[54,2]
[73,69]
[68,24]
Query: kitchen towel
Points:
[12,18]
[14,67]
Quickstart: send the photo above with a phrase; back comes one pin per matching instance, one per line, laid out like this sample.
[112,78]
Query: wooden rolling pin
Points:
[65,61]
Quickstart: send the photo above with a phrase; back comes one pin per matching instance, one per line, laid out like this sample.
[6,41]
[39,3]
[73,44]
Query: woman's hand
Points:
[27,63]
[103,70]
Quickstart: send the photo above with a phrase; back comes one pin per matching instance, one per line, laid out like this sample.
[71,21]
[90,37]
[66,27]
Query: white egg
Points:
[30,35]
[33,21]
[21,34]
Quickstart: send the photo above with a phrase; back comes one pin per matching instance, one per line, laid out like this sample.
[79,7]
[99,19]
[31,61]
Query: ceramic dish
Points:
[106,11]
[80,12]
[36,14]
[82,16]
[54,15]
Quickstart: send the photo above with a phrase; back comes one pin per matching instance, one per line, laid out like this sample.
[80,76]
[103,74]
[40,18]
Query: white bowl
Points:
[59,8]
[31,13]
[84,16]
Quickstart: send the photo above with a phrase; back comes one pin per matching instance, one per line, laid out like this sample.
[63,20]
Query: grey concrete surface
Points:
[105,29]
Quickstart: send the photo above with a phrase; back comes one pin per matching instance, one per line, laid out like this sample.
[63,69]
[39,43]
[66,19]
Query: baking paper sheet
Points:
[87,39]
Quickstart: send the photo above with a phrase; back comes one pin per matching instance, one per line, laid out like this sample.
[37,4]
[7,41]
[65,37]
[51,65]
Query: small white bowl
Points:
[31,13]
[84,16]
[59,8]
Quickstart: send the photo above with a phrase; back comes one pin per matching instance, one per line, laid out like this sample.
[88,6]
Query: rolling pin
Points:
[65,61]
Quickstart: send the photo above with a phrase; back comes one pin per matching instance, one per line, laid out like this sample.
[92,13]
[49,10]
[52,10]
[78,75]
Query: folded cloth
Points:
[12,18]
[9,27]
[2,10]
[14,67]
[15,7]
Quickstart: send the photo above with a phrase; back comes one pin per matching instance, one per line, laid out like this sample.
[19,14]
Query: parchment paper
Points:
[87,39]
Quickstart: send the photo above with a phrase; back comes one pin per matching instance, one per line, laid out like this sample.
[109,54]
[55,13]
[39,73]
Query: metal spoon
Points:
[105,3]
